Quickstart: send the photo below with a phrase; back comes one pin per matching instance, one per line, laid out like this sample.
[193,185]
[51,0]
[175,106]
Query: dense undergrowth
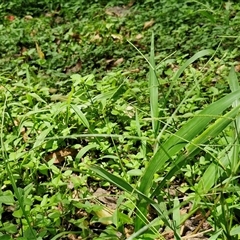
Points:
[119,120]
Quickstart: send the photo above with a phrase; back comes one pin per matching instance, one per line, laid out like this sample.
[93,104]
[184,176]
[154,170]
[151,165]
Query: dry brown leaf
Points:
[23,50]
[58,43]
[96,38]
[24,133]
[130,4]
[16,123]
[136,70]
[237,68]
[23,130]
[59,155]
[117,11]
[110,203]
[59,20]
[48,14]
[74,69]
[10,18]
[52,90]
[119,61]
[74,237]
[117,37]
[33,33]
[139,36]
[103,196]
[220,69]
[51,14]
[148,24]
[108,61]
[28,17]
[75,36]
[128,230]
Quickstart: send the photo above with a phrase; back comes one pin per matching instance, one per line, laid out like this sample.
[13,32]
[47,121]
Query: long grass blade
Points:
[234,86]
[196,56]
[153,87]
[182,137]
[194,147]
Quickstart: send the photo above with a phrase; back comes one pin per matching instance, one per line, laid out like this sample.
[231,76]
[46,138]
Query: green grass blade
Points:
[234,86]
[233,83]
[41,138]
[213,130]
[81,116]
[193,148]
[177,217]
[196,56]
[182,137]
[122,184]
[153,87]
[145,228]
[119,182]
[177,142]
[83,151]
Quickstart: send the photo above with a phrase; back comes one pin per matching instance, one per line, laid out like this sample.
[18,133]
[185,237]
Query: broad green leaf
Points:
[7,199]
[9,228]
[235,231]
[134,172]
[216,235]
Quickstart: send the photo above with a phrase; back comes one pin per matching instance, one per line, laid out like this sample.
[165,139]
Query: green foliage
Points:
[118,122]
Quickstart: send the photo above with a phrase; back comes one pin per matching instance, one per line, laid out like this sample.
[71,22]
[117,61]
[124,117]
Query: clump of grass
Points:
[185,144]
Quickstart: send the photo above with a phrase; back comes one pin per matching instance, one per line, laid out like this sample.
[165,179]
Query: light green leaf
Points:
[84,150]
[41,138]
[81,116]
[235,231]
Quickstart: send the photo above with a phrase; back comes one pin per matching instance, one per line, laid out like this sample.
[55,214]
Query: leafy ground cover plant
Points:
[100,139]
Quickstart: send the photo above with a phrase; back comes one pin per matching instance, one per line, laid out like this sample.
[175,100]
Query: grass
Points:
[119,123]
